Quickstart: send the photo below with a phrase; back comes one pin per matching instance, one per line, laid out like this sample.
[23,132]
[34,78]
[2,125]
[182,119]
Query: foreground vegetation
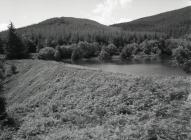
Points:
[53,101]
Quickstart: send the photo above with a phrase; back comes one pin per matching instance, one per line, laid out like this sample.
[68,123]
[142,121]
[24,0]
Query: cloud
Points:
[104,10]
[189,2]
[3,26]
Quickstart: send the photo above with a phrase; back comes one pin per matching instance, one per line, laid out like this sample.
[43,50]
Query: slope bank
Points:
[52,100]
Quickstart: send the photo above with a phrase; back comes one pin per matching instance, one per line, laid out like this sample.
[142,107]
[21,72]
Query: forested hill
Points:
[66,29]
[176,23]
[66,24]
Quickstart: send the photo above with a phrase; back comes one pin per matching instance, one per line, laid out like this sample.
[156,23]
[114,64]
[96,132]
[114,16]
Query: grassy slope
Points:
[53,100]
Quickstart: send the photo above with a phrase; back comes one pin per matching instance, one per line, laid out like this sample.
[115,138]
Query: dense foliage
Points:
[129,50]
[182,55]
[46,53]
[1,46]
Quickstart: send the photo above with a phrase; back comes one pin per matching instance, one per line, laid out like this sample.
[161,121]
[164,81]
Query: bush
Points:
[57,54]
[187,66]
[182,55]
[97,48]
[127,51]
[104,56]
[111,49]
[167,46]
[86,49]
[66,51]
[13,69]
[77,54]
[150,47]
[89,50]
[46,53]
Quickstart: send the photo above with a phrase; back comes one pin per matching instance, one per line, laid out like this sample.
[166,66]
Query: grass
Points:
[57,101]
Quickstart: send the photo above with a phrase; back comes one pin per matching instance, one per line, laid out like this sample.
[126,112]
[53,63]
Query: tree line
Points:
[126,45]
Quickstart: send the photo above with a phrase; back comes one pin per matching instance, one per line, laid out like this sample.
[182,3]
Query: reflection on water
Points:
[142,67]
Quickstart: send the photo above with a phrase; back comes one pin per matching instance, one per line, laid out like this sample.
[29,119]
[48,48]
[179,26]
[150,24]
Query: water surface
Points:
[138,67]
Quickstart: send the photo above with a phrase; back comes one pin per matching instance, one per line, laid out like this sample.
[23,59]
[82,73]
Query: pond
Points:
[141,67]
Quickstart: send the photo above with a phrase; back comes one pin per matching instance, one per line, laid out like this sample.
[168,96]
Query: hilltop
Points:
[64,28]
[51,100]
[176,23]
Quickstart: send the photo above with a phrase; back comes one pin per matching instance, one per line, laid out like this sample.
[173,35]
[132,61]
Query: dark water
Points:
[140,67]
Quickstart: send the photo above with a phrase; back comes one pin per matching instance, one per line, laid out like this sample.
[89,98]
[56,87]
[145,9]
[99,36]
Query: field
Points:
[56,101]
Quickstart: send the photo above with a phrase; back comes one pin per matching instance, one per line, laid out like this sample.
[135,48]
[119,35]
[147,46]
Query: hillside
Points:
[66,28]
[176,23]
[55,101]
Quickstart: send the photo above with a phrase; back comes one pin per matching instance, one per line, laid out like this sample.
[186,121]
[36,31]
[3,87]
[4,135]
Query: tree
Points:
[104,56]
[77,54]
[127,51]
[111,49]
[57,54]
[15,48]
[1,46]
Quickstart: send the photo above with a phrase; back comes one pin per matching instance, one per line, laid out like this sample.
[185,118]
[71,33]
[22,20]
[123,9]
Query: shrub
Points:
[104,56]
[150,47]
[86,49]
[77,54]
[167,46]
[181,55]
[13,69]
[66,51]
[39,46]
[127,51]
[187,66]
[97,48]
[89,50]
[46,53]
[111,49]
[57,54]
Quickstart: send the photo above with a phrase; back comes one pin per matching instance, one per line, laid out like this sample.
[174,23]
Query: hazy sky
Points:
[26,12]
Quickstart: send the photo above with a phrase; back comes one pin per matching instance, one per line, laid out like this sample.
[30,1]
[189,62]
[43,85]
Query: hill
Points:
[66,29]
[176,23]
[52,101]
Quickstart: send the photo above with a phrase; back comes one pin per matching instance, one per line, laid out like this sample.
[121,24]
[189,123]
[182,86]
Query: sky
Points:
[27,12]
